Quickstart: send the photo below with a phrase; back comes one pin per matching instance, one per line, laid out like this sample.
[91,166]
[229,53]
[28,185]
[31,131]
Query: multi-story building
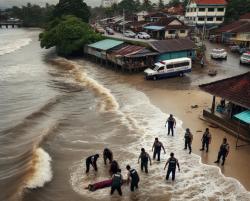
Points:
[206,12]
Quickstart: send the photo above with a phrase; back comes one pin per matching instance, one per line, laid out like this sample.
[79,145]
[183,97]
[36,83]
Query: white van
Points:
[169,68]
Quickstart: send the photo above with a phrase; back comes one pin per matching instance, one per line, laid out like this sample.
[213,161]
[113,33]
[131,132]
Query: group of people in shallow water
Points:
[133,178]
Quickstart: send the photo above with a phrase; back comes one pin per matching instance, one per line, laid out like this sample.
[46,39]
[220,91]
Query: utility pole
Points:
[123,27]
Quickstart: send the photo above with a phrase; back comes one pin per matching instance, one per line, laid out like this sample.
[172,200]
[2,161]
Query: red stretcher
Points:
[99,185]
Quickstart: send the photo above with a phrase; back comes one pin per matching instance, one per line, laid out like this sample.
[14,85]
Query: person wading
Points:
[156,148]
[132,173]
[206,139]
[107,154]
[172,162]
[223,152]
[188,140]
[114,167]
[171,124]
[91,160]
[144,157]
[116,183]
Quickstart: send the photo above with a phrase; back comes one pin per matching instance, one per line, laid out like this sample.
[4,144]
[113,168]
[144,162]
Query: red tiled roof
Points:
[209,2]
[238,26]
[128,50]
[235,89]
[245,16]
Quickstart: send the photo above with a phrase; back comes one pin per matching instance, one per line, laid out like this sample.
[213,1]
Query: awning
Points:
[243,116]
[154,28]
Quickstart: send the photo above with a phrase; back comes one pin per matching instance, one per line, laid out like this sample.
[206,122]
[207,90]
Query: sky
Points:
[10,3]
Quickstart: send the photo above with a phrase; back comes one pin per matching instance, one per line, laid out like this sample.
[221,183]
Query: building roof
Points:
[106,44]
[132,51]
[166,22]
[246,16]
[235,89]
[235,27]
[243,116]
[156,14]
[210,2]
[172,45]
[154,28]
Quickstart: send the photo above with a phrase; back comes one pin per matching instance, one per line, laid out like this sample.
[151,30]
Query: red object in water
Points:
[100,185]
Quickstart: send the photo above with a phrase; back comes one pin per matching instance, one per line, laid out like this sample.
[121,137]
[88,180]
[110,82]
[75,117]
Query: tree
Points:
[160,4]
[129,6]
[174,3]
[138,5]
[68,34]
[147,5]
[77,8]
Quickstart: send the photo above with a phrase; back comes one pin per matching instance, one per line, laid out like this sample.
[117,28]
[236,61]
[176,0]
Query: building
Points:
[207,13]
[232,112]
[166,28]
[176,10]
[173,48]
[141,15]
[155,16]
[108,3]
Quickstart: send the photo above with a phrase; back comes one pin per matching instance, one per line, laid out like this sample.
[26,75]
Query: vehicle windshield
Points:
[246,56]
[218,51]
[143,33]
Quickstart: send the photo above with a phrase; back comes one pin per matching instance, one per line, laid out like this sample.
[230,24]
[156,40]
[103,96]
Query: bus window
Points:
[170,66]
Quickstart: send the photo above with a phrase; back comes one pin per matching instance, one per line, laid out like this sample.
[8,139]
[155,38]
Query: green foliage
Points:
[236,8]
[147,5]
[129,6]
[32,15]
[77,8]
[174,3]
[68,34]
[160,4]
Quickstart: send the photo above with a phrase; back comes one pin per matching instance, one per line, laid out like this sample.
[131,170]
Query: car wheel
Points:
[154,77]
[211,57]
[181,74]
[226,58]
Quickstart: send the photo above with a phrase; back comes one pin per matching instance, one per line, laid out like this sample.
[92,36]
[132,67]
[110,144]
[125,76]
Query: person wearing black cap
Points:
[91,160]
[171,124]
[172,162]
[188,140]
[107,154]
[144,157]
[132,173]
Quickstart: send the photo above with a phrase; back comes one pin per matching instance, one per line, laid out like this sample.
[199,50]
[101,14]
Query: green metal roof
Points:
[244,116]
[106,44]
[154,28]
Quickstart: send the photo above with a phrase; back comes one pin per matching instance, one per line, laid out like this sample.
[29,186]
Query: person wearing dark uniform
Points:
[107,154]
[172,162]
[171,124]
[188,140]
[144,157]
[156,148]
[114,167]
[117,183]
[206,139]
[223,152]
[132,173]
[91,160]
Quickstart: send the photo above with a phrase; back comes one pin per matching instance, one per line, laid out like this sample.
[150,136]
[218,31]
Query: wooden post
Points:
[213,105]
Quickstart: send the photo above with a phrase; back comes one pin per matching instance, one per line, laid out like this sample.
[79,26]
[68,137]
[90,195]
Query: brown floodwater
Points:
[56,112]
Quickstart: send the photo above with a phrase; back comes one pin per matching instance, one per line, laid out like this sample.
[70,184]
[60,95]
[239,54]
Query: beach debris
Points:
[199,131]
[213,126]
[194,106]
[212,72]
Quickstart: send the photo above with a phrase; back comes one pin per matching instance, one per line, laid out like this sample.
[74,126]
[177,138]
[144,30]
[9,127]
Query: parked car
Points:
[129,34]
[243,50]
[234,48]
[245,58]
[109,31]
[143,35]
[169,68]
[218,54]
[100,30]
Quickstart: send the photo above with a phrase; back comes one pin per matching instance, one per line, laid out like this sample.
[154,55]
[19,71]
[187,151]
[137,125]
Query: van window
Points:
[170,66]
[160,69]
[181,64]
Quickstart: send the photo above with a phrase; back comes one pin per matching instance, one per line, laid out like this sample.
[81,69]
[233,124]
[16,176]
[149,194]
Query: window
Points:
[201,9]
[160,69]
[220,9]
[210,9]
[171,32]
[181,64]
[170,66]
[219,19]
[209,19]
[194,9]
[182,31]
[200,18]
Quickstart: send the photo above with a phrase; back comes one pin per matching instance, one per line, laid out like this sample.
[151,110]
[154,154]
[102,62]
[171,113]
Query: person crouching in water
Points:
[206,139]
[132,173]
[114,167]
[91,160]
[172,162]
[144,156]
[188,140]
[117,181]
[157,149]
[224,150]
[107,154]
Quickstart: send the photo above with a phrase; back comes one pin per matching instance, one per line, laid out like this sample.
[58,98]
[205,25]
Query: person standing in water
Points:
[172,162]
[117,181]
[223,152]
[91,160]
[132,173]
[188,140]
[107,154]
[171,124]
[144,157]
[206,139]
[156,148]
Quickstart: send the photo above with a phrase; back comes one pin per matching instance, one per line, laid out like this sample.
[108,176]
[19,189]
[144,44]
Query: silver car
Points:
[218,54]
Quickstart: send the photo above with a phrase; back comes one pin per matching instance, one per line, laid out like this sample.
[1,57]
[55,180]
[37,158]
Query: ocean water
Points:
[56,112]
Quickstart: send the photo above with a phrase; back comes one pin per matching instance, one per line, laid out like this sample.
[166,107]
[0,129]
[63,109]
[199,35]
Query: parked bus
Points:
[169,68]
